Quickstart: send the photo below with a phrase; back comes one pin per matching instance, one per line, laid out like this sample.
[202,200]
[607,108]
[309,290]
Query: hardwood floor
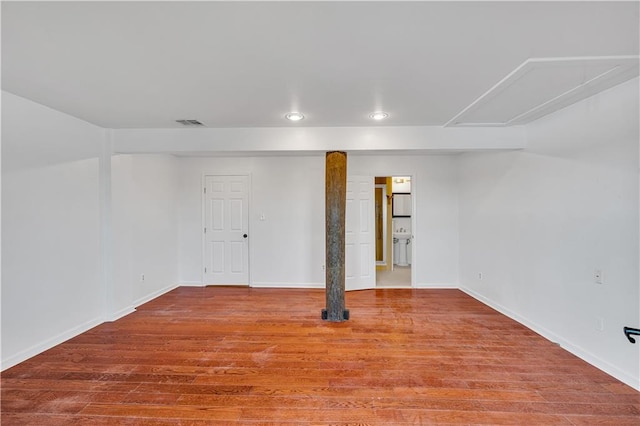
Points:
[263,356]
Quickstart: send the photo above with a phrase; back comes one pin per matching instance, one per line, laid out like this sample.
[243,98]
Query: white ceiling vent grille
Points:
[541,86]
[190,123]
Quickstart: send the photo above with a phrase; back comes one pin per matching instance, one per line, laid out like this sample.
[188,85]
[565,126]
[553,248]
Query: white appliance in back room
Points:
[402,241]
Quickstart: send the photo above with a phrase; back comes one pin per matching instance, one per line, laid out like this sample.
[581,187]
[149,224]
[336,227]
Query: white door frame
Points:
[203,185]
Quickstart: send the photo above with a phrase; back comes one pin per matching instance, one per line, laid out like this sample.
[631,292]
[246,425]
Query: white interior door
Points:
[226,228]
[360,255]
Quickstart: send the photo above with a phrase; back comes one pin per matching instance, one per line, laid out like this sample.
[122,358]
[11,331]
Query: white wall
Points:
[73,255]
[122,224]
[538,223]
[403,184]
[145,228]
[287,248]
[51,287]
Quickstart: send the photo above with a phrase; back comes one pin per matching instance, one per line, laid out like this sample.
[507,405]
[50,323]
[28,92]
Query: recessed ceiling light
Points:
[378,115]
[294,116]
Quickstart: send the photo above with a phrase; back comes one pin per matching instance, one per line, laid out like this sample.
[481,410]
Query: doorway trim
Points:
[385,233]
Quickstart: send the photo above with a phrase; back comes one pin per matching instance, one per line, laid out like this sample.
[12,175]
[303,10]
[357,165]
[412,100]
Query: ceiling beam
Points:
[316,139]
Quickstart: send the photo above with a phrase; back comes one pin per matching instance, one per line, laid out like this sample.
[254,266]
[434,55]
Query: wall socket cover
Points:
[598,277]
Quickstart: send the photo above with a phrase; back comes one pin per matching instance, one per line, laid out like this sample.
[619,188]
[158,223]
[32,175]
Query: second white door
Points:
[360,253]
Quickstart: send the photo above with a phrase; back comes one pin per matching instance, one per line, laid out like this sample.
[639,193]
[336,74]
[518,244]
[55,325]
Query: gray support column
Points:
[335,209]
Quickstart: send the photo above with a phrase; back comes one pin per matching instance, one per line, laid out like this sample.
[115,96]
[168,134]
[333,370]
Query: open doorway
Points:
[393,223]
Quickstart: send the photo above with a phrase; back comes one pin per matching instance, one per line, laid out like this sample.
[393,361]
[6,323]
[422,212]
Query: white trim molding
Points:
[549,335]
[49,343]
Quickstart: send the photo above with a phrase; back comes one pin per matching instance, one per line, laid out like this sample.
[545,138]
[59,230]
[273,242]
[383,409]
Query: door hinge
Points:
[205,189]
[205,230]
[205,270]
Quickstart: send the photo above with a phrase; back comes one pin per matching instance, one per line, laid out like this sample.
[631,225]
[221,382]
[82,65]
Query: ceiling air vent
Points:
[190,123]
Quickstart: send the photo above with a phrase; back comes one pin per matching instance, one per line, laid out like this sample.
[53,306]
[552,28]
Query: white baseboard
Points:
[286,285]
[75,331]
[157,293]
[321,285]
[49,343]
[437,285]
[192,284]
[576,350]
[121,313]
[601,364]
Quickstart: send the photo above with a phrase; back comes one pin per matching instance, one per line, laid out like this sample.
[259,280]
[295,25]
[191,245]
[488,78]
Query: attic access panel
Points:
[541,86]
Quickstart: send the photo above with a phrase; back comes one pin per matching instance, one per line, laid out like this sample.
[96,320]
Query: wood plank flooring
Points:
[200,356]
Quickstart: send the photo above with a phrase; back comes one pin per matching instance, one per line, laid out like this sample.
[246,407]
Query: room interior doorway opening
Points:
[394,233]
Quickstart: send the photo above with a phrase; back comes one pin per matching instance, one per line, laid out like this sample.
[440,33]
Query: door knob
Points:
[244,236]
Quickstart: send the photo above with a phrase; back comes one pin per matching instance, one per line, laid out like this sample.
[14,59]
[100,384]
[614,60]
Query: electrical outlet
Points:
[141,277]
[599,323]
[598,277]
[323,267]
[480,276]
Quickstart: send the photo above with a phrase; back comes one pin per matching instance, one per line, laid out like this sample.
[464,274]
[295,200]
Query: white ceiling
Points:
[246,64]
